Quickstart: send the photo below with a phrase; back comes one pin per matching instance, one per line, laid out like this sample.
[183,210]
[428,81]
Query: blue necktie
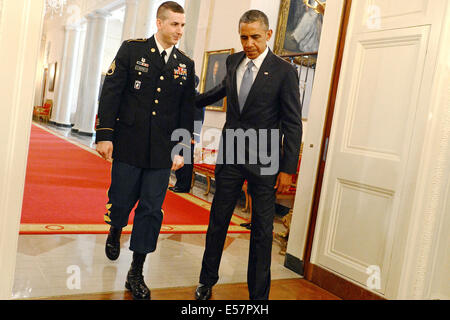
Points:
[246,85]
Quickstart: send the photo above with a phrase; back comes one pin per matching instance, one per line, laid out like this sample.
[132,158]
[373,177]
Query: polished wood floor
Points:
[289,289]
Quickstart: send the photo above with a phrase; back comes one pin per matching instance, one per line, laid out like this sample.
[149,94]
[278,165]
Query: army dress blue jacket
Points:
[143,101]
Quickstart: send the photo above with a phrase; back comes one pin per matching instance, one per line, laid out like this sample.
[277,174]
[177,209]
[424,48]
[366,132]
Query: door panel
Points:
[372,139]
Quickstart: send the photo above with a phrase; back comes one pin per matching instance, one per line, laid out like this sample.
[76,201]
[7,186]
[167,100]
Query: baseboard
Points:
[86,134]
[56,124]
[294,264]
[339,286]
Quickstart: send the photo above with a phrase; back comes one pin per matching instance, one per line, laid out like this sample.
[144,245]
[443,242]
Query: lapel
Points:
[153,54]
[234,95]
[154,57]
[261,80]
[173,62]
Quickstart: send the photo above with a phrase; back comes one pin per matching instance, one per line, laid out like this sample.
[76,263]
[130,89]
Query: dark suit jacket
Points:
[143,101]
[273,103]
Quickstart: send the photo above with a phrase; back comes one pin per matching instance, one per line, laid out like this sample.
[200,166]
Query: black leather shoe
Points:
[179,190]
[135,280]
[112,247]
[203,292]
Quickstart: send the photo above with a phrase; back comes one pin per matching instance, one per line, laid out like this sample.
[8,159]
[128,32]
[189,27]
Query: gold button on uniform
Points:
[156,101]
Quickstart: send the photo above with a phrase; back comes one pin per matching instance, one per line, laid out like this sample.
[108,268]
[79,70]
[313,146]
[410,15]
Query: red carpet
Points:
[66,192]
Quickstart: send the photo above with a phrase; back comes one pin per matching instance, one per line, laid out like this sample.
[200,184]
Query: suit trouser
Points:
[229,182]
[184,174]
[129,185]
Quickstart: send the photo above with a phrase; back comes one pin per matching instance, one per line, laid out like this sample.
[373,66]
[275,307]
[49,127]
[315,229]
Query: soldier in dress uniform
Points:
[148,93]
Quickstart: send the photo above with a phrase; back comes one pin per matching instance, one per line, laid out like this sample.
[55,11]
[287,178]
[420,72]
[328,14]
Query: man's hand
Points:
[105,149]
[284,182]
[178,163]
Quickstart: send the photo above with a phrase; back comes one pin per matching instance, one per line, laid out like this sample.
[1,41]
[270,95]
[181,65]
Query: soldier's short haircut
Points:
[168,6]
[254,16]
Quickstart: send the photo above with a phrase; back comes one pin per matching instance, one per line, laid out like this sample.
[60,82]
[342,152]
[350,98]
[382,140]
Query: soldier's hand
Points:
[284,182]
[178,163]
[105,149]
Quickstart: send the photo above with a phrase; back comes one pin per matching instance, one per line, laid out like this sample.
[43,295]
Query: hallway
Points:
[288,289]
[45,263]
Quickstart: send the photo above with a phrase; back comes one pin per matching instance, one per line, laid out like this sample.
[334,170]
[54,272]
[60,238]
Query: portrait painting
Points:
[299,26]
[213,73]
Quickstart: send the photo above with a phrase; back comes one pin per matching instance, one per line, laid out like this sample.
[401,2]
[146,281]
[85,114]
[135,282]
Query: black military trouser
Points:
[130,184]
[229,182]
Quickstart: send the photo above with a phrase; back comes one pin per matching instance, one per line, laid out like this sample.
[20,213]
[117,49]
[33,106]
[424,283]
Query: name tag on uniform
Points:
[137,85]
[139,68]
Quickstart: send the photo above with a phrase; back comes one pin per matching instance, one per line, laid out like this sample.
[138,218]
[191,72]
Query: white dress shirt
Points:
[243,66]
[161,49]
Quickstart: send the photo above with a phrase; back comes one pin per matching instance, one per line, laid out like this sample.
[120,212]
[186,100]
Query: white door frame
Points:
[21,25]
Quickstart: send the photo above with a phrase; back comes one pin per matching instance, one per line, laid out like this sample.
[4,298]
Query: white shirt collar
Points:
[258,61]
[161,48]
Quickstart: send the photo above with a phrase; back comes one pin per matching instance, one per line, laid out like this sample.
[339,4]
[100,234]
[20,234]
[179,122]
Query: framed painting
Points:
[299,26]
[213,72]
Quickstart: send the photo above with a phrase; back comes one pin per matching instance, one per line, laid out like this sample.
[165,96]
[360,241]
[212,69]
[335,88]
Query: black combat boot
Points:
[112,248]
[135,280]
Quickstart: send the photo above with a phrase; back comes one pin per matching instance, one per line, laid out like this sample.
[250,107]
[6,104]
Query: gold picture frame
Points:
[294,18]
[213,72]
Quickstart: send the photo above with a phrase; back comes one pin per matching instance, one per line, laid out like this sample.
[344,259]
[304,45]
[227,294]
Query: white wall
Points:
[112,43]
[20,33]
[53,52]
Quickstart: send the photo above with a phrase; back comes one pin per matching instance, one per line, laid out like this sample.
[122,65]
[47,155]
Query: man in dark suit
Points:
[263,101]
[148,93]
